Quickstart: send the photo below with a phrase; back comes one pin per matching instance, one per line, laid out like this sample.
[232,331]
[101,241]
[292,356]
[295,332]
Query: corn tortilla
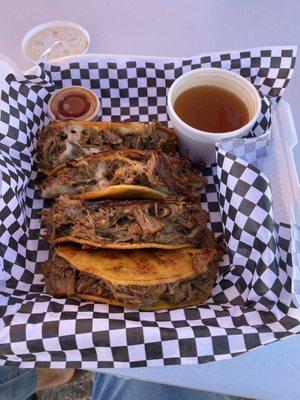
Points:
[138,267]
[158,305]
[118,246]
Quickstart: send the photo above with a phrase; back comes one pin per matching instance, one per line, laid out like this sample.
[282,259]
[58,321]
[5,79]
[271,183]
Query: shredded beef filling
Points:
[155,170]
[62,280]
[59,277]
[146,221]
[59,143]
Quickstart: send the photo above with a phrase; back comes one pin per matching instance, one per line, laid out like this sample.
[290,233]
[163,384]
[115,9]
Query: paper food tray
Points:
[279,165]
[252,303]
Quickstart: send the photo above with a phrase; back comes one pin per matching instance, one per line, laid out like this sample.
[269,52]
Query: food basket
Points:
[256,294]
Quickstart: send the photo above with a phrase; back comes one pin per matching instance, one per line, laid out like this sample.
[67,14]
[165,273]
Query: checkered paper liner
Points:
[251,304]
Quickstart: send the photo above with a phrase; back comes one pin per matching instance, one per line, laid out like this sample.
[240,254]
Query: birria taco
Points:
[127,224]
[128,174]
[67,140]
[140,279]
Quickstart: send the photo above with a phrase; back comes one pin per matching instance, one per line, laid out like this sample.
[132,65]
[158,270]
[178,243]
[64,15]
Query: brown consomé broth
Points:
[211,109]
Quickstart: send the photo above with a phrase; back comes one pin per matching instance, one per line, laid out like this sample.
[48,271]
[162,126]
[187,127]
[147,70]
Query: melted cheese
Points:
[56,189]
[67,154]
[100,172]
[72,147]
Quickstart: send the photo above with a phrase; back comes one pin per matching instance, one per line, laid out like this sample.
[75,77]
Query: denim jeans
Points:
[17,383]
[115,388]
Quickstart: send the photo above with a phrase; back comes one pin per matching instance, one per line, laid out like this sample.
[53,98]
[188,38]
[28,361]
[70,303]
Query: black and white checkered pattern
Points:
[252,301]
[296,260]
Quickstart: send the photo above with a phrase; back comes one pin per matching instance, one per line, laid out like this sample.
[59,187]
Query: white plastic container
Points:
[281,168]
[94,102]
[200,145]
[52,25]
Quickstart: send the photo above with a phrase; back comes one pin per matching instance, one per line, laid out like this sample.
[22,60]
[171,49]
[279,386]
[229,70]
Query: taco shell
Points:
[140,267]
[117,246]
[149,269]
[128,174]
[200,298]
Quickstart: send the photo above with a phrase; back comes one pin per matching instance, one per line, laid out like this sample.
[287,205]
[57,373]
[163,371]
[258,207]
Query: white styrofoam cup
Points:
[200,145]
